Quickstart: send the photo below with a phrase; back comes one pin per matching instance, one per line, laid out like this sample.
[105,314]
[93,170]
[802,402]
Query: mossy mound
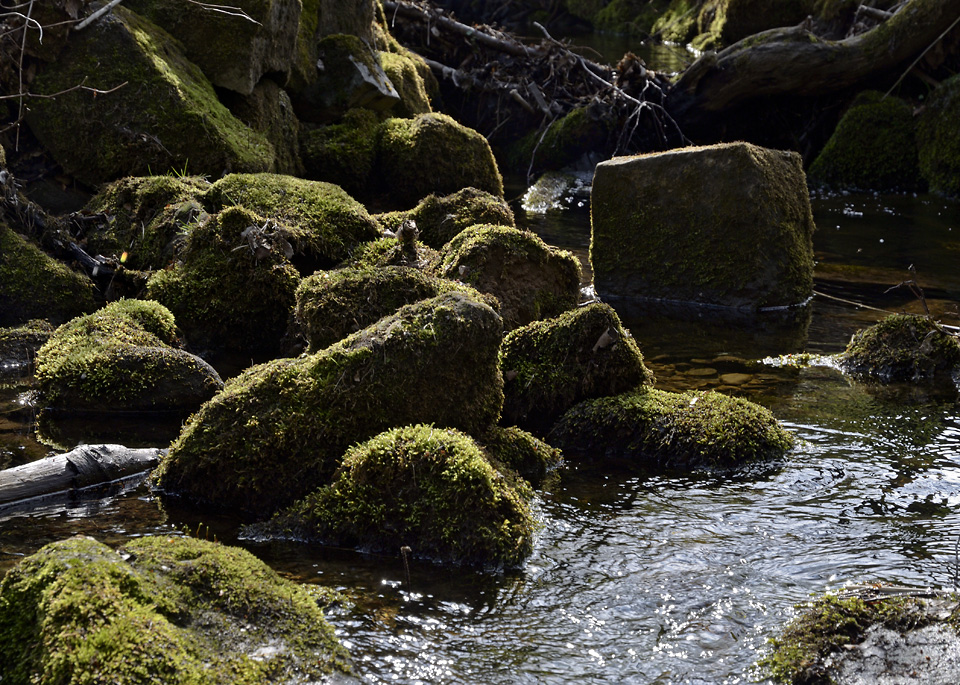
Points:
[159,609]
[333,304]
[19,345]
[653,428]
[531,279]
[441,218]
[426,488]
[528,455]
[278,431]
[902,347]
[166,117]
[581,131]
[551,365]
[124,357]
[873,147]
[432,153]
[325,222]
[147,214]
[938,139]
[394,252]
[343,153]
[403,71]
[33,285]
[233,287]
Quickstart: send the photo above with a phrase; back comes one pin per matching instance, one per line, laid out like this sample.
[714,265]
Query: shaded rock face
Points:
[124,357]
[268,110]
[278,430]
[549,366]
[159,609]
[343,153]
[166,117]
[902,347]
[19,345]
[354,17]
[938,139]
[726,225]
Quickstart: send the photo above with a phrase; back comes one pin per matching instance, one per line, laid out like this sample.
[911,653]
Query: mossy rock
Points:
[19,344]
[549,366]
[583,130]
[528,455]
[430,489]
[33,285]
[355,18]
[146,217]
[268,110]
[440,219]
[746,243]
[678,22]
[278,431]
[333,304]
[938,139]
[394,252]
[653,428]
[724,22]
[902,348]
[405,75]
[531,279]
[166,117]
[630,17]
[873,147]
[233,286]
[432,153]
[125,357]
[343,153]
[159,609]
[327,223]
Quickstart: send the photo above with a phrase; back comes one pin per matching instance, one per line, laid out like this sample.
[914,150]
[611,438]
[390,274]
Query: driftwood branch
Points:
[96,15]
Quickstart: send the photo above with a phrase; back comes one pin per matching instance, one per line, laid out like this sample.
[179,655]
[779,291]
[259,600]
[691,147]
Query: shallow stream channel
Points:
[645,577]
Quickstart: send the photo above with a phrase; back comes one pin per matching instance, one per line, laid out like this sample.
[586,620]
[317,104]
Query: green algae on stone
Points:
[33,285]
[432,153]
[343,153]
[938,138]
[124,357]
[167,116]
[528,455]
[902,347]
[531,279]
[653,428]
[427,488]
[277,431]
[549,366]
[873,147]
[159,609]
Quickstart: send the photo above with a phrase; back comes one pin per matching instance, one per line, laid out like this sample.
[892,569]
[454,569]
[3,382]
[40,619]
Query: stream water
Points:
[648,577]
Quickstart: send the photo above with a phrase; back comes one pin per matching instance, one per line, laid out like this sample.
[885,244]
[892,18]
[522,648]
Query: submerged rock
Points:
[159,609]
[902,347]
[531,279]
[551,365]
[653,428]
[746,242]
[278,430]
[125,357]
[427,488]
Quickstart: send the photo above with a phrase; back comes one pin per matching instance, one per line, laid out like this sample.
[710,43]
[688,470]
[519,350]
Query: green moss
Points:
[580,132]
[678,23]
[166,117]
[403,73]
[724,22]
[635,17]
[530,279]
[518,450]
[938,139]
[902,347]
[432,153]
[423,487]
[20,344]
[160,610]
[651,427]
[551,365]
[123,357]
[873,147]
[304,67]
[278,430]
[34,285]
[392,252]
[343,153]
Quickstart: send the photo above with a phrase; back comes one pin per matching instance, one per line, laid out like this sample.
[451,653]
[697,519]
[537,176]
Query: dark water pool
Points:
[646,577]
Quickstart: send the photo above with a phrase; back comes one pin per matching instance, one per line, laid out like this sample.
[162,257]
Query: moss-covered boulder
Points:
[354,17]
[343,153]
[653,428]
[724,22]
[430,489]
[432,153]
[166,117]
[395,252]
[333,304]
[33,285]
[583,130]
[549,366]
[159,609]
[278,431]
[531,279]
[233,286]
[125,357]
[873,147]
[746,242]
[326,223]
[440,219]
[233,52]
[19,344]
[528,455]
[904,348]
[268,110]
[938,139]
[404,71]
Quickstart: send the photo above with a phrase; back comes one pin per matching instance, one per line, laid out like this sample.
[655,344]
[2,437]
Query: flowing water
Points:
[642,577]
